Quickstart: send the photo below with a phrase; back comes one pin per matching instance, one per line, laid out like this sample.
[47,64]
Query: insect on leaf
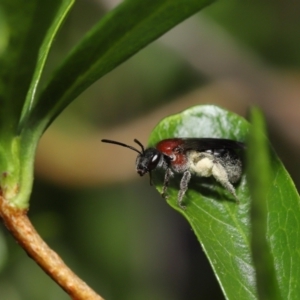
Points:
[221,225]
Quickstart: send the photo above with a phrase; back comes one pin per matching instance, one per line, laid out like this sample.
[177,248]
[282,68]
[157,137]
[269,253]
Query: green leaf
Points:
[61,11]
[30,25]
[274,191]
[56,14]
[27,24]
[120,34]
[221,225]
[283,230]
[259,178]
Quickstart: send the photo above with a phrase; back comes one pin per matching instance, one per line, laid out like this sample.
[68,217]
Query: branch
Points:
[19,225]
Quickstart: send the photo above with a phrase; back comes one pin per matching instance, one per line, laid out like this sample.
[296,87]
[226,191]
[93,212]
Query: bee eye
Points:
[153,162]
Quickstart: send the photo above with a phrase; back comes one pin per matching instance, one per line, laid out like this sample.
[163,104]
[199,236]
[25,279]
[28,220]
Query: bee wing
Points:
[201,144]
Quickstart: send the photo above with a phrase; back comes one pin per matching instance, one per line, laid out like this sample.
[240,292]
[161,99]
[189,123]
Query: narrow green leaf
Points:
[259,177]
[27,24]
[119,35]
[60,14]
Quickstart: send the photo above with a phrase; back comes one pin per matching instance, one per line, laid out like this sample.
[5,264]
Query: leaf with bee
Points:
[223,226]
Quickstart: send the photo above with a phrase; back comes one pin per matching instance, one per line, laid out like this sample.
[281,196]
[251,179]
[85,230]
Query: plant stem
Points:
[19,225]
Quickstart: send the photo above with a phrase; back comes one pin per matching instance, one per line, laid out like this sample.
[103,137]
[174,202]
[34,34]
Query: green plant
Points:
[244,242]
[27,109]
[222,227]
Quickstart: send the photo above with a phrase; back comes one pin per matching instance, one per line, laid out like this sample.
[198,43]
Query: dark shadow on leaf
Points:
[206,186]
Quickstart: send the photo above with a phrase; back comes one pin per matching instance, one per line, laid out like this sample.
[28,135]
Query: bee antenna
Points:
[124,145]
[140,144]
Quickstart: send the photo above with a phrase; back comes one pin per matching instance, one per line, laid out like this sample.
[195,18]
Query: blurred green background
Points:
[121,237]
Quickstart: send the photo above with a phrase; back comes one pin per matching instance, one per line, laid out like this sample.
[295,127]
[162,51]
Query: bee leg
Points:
[183,187]
[150,177]
[168,174]
[220,174]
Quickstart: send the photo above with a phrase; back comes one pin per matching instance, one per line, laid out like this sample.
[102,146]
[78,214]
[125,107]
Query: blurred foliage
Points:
[3,32]
[270,28]
[77,223]
[145,79]
[141,77]
[3,250]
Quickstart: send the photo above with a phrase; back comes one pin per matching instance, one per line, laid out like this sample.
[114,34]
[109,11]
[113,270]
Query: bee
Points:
[203,157]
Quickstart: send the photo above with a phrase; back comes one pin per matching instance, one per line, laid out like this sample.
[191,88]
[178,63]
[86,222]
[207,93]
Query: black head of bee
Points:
[147,159]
